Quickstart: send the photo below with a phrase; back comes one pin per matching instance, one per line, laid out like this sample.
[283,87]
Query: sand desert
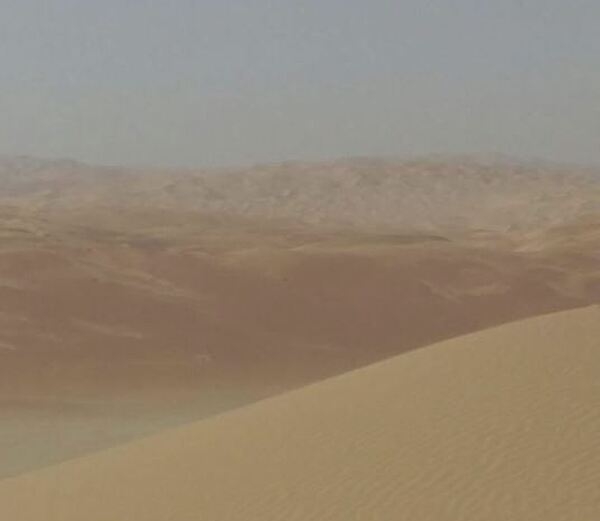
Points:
[299,261]
[360,338]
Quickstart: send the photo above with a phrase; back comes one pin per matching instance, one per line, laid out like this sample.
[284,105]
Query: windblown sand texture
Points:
[500,424]
[134,300]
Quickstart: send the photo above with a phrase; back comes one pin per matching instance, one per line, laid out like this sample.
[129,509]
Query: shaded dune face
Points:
[119,320]
[502,423]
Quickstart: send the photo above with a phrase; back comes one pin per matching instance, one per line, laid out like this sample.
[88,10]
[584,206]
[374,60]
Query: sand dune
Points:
[132,301]
[500,424]
[106,338]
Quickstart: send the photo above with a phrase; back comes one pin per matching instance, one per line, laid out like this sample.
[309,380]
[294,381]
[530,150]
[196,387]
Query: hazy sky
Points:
[192,82]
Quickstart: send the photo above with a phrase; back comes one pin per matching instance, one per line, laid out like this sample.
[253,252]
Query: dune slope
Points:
[500,424]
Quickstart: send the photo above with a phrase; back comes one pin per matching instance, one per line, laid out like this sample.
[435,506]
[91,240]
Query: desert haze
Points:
[134,301]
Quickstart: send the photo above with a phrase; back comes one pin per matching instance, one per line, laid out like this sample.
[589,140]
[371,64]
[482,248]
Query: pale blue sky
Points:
[205,82]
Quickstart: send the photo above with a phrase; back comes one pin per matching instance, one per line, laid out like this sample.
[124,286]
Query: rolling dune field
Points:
[133,301]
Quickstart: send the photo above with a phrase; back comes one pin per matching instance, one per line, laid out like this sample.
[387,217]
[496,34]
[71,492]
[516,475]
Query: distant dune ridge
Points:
[426,194]
[500,424]
[134,300]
